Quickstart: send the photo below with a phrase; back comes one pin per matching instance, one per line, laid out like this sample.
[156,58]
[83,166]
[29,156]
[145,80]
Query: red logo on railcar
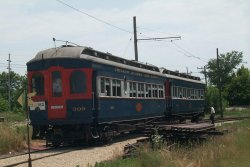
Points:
[138,107]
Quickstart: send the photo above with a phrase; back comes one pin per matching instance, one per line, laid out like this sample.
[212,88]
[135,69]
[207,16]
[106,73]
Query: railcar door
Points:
[168,95]
[56,88]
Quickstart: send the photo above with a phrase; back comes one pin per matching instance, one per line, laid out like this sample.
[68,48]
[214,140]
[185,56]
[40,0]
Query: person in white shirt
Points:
[212,115]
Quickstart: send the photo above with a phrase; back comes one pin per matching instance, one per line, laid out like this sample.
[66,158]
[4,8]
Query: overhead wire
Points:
[93,17]
[180,49]
[127,46]
[152,30]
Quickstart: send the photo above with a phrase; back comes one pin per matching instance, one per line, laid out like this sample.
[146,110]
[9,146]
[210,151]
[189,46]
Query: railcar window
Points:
[188,93]
[140,90]
[175,92]
[161,91]
[119,90]
[192,95]
[199,94]
[180,92]
[107,87]
[116,87]
[37,83]
[77,82]
[148,91]
[132,89]
[195,94]
[56,84]
[184,92]
[125,86]
[202,94]
[155,91]
[102,85]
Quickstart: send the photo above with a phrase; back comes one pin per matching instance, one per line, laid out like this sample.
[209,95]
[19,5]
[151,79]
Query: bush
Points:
[3,104]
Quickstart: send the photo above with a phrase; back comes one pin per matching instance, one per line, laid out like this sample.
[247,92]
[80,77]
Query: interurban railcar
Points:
[82,93]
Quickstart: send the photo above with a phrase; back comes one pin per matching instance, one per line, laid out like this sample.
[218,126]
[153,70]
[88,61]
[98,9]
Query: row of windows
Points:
[112,87]
[187,93]
[77,82]
[122,88]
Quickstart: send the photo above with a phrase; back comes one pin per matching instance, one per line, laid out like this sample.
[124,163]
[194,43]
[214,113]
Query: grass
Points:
[237,113]
[232,149]
[12,132]
[13,116]
[232,113]
[12,138]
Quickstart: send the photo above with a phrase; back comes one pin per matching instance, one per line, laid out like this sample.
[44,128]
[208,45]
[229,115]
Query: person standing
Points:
[212,115]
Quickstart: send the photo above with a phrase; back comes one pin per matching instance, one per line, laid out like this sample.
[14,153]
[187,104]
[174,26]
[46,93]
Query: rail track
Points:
[22,158]
[41,154]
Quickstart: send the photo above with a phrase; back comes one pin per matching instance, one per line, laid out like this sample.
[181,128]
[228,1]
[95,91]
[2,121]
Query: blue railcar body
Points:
[112,90]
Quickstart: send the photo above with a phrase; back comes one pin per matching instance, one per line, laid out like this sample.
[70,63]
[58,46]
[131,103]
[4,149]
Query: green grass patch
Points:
[13,116]
[232,149]
[237,113]
[12,138]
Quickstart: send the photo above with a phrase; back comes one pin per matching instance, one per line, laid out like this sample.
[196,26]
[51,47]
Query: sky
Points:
[28,26]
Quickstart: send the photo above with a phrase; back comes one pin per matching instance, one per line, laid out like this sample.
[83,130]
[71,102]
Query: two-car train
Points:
[82,93]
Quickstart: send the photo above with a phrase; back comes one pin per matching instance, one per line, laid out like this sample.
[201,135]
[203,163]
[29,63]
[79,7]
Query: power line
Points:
[13,64]
[93,17]
[188,54]
[149,29]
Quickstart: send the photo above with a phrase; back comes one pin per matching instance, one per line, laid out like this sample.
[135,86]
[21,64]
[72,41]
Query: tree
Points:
[212,96]
[239,88]
[3,104]
[16,87]
[227,62]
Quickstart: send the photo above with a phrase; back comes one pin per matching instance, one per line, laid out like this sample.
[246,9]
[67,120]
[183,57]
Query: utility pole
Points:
[219,82]
[205,74]
[9,82]
[135,39]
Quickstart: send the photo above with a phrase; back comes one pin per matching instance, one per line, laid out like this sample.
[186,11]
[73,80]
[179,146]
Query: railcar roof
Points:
[60,52]
[78,52]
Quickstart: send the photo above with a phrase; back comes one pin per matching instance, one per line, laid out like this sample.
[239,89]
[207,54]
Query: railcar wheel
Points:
[107,135]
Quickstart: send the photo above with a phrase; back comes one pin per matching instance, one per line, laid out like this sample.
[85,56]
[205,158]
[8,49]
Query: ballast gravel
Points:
[73,157]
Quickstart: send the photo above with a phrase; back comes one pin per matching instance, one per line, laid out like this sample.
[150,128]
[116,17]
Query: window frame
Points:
[35,74]
[77,81]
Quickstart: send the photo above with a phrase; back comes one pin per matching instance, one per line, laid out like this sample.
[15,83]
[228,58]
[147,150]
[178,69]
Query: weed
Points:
[11,138]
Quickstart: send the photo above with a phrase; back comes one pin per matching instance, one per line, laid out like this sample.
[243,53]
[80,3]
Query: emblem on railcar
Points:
[138,107]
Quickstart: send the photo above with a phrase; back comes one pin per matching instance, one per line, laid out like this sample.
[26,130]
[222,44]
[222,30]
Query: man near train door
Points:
[212,115]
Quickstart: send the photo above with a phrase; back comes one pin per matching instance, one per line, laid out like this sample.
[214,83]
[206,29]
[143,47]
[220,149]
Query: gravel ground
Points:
[73,156]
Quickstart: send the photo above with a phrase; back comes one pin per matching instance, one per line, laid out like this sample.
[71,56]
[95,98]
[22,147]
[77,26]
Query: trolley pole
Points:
[135,39]
[28,130]
[219,82]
